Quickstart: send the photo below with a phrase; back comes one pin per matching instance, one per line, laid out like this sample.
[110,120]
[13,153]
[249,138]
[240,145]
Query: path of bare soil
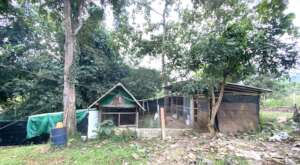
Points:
[194,148]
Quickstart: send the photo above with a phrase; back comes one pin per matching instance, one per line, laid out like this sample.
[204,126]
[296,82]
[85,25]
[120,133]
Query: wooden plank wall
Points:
[202,108]
[238,113]
[237,117]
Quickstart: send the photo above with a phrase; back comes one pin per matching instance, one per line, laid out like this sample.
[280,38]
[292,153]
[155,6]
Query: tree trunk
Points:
[69,86]
[164,76]
[215,108]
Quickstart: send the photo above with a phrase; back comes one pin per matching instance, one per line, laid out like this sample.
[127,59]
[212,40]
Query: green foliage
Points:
[269,124]
[275,103]
[143,83]
[98,65]
[232,41]
[267,81]
[30,74]
[235,41]
[284,101]
[284,93]
[31,65]
[84,153]
[210,5]
[222,56]
[231,159]
[276,55]
[4,5]
[106,129]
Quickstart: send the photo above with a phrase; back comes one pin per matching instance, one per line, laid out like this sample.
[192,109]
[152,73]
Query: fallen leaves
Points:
[201,148]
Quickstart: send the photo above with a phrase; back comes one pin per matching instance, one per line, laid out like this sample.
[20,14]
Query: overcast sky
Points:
[294,6]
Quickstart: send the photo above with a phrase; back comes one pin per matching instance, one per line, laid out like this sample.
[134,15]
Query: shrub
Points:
[105,129]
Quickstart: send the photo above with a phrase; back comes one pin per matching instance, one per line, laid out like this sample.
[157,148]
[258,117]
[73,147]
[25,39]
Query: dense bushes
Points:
[107,130]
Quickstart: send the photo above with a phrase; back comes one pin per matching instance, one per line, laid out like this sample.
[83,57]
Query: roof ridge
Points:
[114,87]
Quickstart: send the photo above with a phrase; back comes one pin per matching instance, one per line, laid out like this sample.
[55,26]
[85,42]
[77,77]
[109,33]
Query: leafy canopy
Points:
[235,41]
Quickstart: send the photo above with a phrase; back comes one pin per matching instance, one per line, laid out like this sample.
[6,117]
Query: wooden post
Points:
[137,119]
[162,123]
[100,116]
[119,119]
[192,113]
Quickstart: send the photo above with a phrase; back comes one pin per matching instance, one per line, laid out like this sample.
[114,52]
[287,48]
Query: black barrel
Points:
[59,136]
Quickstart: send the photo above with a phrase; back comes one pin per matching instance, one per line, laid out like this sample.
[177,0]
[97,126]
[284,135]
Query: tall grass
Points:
[284,101]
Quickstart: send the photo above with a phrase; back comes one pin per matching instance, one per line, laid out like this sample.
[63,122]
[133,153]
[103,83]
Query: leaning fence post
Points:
[162,123]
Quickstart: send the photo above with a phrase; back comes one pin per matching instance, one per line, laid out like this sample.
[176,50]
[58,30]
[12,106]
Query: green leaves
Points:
[234,41]
[148,82]
[105,129]
[277,55]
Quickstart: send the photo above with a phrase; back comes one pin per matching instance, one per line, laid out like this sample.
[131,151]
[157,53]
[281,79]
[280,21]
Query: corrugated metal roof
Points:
[245,88]
[229,87]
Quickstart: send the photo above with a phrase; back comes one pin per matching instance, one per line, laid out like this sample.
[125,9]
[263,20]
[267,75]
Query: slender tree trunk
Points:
[164,76]
[215,107]
[69,86]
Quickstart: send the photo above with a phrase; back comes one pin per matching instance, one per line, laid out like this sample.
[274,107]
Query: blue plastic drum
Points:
[59,136]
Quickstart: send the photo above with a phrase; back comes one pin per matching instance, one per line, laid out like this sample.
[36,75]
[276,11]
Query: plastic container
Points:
[58,136]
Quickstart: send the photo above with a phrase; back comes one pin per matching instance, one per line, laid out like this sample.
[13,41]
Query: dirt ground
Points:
[196,148]
[174,123]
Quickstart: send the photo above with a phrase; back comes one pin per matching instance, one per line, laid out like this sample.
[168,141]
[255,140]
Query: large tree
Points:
[31,61]
[234,41]
[69,86]
[75,13]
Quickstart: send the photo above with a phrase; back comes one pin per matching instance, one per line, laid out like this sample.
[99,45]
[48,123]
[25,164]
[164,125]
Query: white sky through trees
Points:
[155,62]
[294,7]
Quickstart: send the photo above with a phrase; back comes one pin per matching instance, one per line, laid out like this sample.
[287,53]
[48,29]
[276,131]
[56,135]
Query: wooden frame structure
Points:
[118,102]
[239,110]
[119,118]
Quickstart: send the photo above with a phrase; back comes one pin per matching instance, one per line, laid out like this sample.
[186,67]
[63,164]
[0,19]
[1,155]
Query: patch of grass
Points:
[269,125]
[284,101]
[231,160]
[88,153]
[269,120]
[228,159]
[235,160]
[266,116]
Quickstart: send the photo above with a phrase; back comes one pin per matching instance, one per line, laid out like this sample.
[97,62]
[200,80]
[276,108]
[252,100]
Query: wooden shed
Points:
[118,105]
[239,110]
